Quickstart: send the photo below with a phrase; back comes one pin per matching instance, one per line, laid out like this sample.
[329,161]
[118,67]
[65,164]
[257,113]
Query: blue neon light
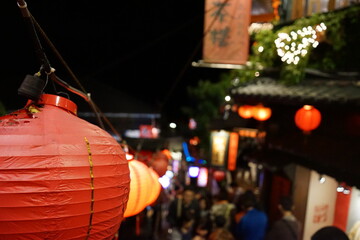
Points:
[188,157]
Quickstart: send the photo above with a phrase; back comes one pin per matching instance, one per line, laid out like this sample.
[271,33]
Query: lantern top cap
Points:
[61,102]
[308,107]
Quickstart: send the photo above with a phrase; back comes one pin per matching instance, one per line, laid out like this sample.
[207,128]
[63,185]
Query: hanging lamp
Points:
[261,113]
[61,177]
[245,111]
[159,163]
[142,186]
[307,118]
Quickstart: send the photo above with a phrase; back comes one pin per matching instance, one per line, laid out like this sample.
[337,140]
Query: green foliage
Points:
[336,39]
[249,72]
[207,97]
[266,40]
[291,73]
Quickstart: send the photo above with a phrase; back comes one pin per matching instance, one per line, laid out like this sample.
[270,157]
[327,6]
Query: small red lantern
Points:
[159,163]
[261,113]
[245,111]
[167,153]
[307,118]
[159,166]
[219,175]
[234,108]
[61,177]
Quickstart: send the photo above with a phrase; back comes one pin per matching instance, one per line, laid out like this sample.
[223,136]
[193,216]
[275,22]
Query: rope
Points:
[57,54]
[31,21]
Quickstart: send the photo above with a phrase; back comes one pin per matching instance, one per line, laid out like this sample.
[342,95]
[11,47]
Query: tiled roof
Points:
[313,91]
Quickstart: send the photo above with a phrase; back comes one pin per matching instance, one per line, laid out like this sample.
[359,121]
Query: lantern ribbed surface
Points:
[156,187]
[60,176]
[141,187]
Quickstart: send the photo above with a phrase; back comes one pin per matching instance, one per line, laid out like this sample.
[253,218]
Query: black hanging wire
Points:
[95,108]
[31,24]
[38,48]
[46,67]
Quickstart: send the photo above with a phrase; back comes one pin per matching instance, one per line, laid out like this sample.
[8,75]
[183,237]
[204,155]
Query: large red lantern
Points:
[61,177]
[143,188]
[261,113]
[245,111]
[307,118]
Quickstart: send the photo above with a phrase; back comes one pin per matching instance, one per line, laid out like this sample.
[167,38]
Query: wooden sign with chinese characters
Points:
[226,31]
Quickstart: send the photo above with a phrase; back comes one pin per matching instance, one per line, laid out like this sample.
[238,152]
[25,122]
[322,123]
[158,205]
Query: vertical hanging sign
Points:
[226,31]
[219,147]
[233,150]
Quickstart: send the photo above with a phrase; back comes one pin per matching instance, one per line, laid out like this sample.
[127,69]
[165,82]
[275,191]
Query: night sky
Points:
[142,48]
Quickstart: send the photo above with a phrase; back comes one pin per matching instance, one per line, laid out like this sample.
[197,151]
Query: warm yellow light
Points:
[308,107]
[261,113]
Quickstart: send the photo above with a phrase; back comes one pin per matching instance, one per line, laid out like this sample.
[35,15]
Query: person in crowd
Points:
[204,206]
[203,230]
[187,226]
[204,227]
[287,228]
[220,232]
[253,224]
[235,192]
[205,224]
[329,233]
[222,207]
[240,211]
[183,215]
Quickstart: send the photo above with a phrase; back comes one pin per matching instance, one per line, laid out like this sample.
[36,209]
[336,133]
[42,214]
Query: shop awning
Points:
[333,149]
[311,91]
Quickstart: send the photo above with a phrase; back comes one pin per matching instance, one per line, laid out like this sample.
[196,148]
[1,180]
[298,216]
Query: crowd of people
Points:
[196,215]
[192,214]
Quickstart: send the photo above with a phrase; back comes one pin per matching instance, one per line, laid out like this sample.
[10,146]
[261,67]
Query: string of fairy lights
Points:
[291,47]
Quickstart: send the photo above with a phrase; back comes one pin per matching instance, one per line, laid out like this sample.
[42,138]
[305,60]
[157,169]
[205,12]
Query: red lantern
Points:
[159,163]
[159,166]
[143,188]
[261,113]
[245,111]
[156,187]
[219,175]
[61,177]
[307,118]
[234,108]
[167,153]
